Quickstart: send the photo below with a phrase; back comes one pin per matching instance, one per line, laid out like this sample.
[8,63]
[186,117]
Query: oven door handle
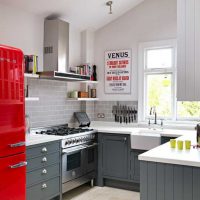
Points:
[91,145]
[68,151]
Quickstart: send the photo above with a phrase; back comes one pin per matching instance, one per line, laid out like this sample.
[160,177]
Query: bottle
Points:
[89,91]
[94,73]
[198,134]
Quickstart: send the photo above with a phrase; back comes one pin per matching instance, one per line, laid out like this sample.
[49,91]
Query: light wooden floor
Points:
[100,193]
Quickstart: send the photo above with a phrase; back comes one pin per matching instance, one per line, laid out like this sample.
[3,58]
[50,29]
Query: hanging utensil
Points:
[129,115]
[135,113]
[114,111]
[132,114]
[126,114]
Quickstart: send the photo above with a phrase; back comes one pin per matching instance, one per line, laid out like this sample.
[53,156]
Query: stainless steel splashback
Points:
[56,45]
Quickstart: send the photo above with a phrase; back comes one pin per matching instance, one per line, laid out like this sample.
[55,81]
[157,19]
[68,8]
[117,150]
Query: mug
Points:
[180,144]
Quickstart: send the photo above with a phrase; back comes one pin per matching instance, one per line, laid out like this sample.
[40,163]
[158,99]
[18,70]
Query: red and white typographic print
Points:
[118,72]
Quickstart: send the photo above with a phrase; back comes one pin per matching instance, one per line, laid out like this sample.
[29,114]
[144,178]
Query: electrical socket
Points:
[101,115]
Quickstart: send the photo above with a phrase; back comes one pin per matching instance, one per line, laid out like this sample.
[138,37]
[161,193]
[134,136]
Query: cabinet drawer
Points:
[45,190]
[43,161]
[42,174]
[43,149]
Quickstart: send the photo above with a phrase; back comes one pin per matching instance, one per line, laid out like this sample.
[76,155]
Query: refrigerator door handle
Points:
[19,144]
[21,164]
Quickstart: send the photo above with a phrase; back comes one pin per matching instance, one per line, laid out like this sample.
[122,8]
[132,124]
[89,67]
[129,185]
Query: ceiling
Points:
[84,14]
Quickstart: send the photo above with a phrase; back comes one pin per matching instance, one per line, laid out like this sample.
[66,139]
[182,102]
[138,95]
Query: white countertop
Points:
[33,139]
[162,153]
[135,130]
[165,154]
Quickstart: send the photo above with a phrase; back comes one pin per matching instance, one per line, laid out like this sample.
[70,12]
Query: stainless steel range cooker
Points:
[79,154]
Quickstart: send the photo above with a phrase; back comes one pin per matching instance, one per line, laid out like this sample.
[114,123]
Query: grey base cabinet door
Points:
[135,165]
[161,181]
[115,156]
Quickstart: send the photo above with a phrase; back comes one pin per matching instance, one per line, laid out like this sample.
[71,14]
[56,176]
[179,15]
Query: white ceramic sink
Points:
[145,139]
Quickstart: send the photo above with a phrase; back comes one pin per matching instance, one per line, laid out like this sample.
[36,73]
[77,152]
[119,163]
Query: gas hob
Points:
[70,136]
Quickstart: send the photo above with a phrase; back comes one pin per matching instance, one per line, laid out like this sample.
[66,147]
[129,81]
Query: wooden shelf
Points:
[32,99]
[82,99]
[27,75]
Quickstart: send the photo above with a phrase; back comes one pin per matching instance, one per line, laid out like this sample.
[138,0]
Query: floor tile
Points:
[100,193]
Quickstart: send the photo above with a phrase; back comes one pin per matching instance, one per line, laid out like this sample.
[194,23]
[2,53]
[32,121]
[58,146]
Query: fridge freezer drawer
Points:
[13,177]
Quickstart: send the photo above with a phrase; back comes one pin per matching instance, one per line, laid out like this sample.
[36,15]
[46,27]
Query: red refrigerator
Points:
[12,125]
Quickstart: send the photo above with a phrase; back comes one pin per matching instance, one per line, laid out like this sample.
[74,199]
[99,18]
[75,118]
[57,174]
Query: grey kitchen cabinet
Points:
[135,165]
[118,164]
[165,139]
[115,156]
[188,48]
[43,178]
[161,181]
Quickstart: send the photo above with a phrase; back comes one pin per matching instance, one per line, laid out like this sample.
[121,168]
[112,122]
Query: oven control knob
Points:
[69,141]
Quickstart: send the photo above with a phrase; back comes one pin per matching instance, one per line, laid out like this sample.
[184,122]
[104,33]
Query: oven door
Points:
[91,157]
[72,163]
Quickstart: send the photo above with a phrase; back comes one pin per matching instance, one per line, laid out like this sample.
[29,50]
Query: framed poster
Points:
[118,72]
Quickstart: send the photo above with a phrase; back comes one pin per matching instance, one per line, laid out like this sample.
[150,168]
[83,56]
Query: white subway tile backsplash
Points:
[54,109]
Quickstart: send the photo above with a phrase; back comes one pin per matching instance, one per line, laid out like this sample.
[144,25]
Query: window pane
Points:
[188,109]
[159,94]
[159,58]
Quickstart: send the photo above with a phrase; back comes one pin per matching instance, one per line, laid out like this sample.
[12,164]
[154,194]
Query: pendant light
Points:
[109,3]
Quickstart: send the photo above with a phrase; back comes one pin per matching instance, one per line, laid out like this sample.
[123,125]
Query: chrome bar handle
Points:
[92,145]
[21,164]
[19,144]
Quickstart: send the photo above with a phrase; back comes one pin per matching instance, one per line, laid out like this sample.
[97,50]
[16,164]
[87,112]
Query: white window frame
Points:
[143,72]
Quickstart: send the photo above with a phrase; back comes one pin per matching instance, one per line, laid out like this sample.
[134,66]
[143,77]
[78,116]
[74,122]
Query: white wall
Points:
[23,30]
[149,21]
[26,31]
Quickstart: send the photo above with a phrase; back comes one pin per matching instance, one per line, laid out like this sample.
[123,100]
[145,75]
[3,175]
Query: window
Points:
[157,79]
[157,83]
[159,94]
[188,110]
[159,58]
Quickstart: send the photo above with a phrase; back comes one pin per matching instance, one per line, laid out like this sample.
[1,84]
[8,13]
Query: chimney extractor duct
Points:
[56,52]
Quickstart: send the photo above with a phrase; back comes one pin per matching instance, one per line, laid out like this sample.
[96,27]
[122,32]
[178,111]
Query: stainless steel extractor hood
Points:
[56,52]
